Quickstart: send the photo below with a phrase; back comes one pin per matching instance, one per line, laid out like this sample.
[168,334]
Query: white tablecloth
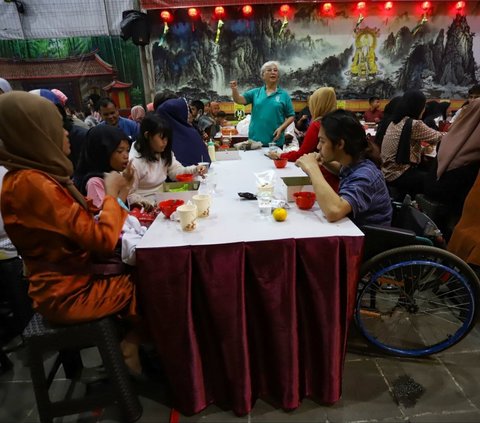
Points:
[233,219]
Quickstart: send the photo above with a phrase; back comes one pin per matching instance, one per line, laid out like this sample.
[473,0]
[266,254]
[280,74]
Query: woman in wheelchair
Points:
[345,150]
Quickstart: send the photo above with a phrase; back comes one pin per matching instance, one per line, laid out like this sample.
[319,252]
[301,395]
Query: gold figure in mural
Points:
[364,61]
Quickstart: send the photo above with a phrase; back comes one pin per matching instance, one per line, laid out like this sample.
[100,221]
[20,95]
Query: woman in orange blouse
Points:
[51,224]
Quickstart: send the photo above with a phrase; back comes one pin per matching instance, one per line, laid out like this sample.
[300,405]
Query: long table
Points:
[245,307]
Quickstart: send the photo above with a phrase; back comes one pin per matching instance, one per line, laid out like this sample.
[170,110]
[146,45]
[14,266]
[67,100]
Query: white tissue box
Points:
[291,184]
[230,154]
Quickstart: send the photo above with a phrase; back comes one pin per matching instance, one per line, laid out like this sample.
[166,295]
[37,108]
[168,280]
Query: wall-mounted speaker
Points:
[134,25]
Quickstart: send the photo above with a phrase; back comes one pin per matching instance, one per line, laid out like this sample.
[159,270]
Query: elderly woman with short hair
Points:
[272,109]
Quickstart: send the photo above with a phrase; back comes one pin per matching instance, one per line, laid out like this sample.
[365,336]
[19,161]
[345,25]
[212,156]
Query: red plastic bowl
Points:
[280,163]
[146,219]
[184,177]
[167,207]
[304,200]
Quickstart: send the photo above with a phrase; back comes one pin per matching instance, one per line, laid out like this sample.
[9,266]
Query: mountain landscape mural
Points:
[359,56]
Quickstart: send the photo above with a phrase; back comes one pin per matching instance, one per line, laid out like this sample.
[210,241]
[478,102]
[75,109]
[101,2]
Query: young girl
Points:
[153,160]
[106,149]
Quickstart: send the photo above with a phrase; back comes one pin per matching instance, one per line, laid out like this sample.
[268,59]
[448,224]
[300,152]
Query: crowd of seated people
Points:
[116,162]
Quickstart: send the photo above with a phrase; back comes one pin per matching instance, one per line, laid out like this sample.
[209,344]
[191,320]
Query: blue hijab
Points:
[187,144]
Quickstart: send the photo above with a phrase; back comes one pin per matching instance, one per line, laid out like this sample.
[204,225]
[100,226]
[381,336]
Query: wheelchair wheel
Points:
[416,300]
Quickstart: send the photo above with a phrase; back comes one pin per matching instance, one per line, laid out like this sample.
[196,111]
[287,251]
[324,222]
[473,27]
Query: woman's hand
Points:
[233,85]
[273,155]
[277,134]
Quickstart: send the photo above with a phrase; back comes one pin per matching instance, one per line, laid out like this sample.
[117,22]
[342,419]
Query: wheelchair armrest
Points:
[381,238]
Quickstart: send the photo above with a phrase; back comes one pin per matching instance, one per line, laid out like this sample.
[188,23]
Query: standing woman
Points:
[401,147]
[272,109]
[48,220]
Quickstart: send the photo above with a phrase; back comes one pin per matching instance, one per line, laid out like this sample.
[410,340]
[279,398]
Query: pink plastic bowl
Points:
[304,200]
[167,207]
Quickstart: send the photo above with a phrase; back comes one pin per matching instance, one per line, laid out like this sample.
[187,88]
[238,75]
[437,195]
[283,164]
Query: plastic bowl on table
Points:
[280,163]
[184,177]
[304,199]
[167,207]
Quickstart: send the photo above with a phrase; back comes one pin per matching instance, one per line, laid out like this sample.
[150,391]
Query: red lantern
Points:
[460,5]
[361,5]
[219,12]
[388,5]
[426,5]
[193,13]
[247,10]
[284,9]
[166,16]
[327,7]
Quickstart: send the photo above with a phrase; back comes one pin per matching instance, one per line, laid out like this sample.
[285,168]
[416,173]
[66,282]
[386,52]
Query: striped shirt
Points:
[420,133]
[362,185]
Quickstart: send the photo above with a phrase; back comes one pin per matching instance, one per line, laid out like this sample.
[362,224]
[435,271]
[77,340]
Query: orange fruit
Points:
[280,214]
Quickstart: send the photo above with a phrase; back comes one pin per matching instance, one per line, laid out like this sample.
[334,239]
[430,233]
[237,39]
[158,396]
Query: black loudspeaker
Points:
[135,25]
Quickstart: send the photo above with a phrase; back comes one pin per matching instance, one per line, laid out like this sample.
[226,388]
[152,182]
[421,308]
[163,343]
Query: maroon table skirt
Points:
[236,322]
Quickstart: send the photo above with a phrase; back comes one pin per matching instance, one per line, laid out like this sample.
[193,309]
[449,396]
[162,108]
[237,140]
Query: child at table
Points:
[153,160]
[106,149]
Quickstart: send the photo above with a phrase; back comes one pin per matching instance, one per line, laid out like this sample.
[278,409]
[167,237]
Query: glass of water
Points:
[264,203]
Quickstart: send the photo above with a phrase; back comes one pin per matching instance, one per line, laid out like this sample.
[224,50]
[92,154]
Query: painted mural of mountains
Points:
[446,60]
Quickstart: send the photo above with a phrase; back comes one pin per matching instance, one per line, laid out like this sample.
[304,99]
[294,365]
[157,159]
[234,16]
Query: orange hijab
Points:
[322,102]
[31,137]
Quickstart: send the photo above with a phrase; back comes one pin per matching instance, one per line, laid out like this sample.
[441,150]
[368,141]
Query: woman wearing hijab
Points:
[401,147]
[51,225]
[458,160]
[386,120]
[187,144]
[106,150]
[320,103]
[4,86]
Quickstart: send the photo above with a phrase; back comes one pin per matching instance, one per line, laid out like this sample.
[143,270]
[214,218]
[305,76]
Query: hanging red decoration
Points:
[361,5]
[247,10]
[284,9]
[460,5]
[426,5]
[219,12]
[388,5]
[166,16]
[193,13]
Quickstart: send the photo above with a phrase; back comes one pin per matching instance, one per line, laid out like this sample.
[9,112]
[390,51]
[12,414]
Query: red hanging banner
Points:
[177,4]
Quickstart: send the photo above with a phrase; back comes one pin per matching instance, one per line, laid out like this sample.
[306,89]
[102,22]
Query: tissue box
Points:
[230,154]
[293,184]
[165,192]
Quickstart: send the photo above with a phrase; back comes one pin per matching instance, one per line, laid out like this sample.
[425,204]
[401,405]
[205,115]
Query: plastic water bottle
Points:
[211,150]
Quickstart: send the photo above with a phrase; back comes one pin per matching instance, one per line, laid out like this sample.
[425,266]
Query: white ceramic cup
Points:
[202,201]
[187,214]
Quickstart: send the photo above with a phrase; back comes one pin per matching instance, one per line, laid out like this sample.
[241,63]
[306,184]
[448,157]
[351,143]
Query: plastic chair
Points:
[42,338]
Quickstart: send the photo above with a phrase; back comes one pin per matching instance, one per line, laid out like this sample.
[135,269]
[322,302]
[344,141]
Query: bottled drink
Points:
[211,150]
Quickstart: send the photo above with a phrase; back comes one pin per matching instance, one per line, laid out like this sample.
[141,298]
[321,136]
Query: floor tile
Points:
[17,401]
[426,384]
[213,414]
[453,417]
[365,395]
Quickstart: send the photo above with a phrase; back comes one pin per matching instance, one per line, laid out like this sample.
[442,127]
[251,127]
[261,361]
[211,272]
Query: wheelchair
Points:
[414,297]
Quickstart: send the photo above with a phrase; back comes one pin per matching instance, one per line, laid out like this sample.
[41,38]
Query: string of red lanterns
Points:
[285,10]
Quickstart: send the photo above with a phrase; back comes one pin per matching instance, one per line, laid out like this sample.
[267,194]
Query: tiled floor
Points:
[376,388]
